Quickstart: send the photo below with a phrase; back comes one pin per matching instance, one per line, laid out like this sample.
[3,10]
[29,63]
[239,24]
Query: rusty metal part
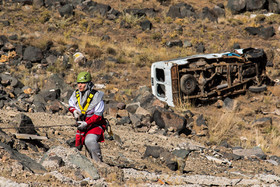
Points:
[219,77]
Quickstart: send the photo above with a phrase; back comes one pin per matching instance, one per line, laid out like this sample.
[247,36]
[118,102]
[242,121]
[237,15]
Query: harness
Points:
[89,99]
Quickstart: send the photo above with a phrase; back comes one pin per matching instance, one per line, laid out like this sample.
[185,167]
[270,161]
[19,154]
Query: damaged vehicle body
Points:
[208,76]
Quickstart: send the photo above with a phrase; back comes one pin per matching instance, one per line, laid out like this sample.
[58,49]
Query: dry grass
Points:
[230,127]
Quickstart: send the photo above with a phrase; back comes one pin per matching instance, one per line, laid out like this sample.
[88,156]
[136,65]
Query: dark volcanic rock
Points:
[146,25]
[219,10]
[253,5]
[274,6]
[166,119]
[24,160]
[38,3]
[25,124]
[237,6]
[153,151]
[174,43]
[208,14]
[50,95]
[66,10]
[33,54]
[261,31]
[181,10]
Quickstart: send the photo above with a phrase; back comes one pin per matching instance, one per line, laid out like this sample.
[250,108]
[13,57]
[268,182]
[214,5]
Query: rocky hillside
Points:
[45,43]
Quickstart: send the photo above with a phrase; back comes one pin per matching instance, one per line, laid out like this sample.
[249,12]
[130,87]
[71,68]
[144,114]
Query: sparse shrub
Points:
[122,59]
[98,21]
[173,34]
[156,36]
[168,20]
[179,21]
[67,34]
[45,16]
[234,22]
[83,24]
[275,18]
[93,51]
[130,19]
[157,19]
[111,51]
[260,18]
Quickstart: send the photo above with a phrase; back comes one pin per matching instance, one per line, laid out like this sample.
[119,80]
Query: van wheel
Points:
[257,89]
[188,84]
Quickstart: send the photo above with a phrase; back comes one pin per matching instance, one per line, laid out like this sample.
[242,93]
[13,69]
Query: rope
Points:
[67,125]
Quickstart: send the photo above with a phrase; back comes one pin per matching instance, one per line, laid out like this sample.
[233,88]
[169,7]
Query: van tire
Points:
[188,84]
[257,89]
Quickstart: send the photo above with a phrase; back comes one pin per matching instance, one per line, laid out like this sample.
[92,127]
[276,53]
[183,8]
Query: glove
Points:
[76,114]
[82,125]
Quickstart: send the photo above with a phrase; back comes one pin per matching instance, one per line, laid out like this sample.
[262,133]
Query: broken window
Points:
[160,75]
[160,90]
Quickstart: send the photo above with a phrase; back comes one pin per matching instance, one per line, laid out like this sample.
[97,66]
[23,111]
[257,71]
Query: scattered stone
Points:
[208,14]
[24,160]
[181,153]
[236,7]
[24,124]
[146,25]
[142,112]
[122,113]
[66,10]
[174,43]
[166,119]
[132,107]
[181,10]
[250,153]
[32,54]
[200,48]
[263,124]
[121,106]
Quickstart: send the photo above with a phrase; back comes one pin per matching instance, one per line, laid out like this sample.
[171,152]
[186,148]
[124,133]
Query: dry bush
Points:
[275,18]
[224,127]
[93,51]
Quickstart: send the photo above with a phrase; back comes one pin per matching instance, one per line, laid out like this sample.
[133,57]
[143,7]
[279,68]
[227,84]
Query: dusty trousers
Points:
[93,147]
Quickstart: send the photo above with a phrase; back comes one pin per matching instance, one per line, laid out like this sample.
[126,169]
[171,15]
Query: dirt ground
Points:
[132,149]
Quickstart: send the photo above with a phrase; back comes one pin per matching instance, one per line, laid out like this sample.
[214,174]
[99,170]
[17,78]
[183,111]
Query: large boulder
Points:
[24,124]
[250,153]
[38,3]
[168,120]
[71,158]
[181,10]
[164,155]
[253,5]
[56,81]
[236,6]
[96,8]
[274,6]
[219,10]
[24,160]
[265,32]
[141,12]
[146,25]
[50,95]
[12,81]
[66,10]
[32,54]
[209,14]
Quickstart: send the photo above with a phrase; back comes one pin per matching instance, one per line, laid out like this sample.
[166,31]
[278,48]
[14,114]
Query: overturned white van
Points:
[208,76]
